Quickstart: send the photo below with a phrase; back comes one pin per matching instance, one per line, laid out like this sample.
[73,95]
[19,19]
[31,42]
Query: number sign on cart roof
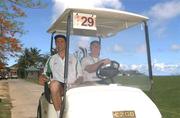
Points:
[96,22]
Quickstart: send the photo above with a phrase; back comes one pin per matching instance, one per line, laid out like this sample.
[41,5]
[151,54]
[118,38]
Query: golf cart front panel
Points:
[104,101]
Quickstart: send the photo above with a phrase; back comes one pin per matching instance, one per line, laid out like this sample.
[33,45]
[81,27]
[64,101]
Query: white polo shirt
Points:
[88,61]
[57,67]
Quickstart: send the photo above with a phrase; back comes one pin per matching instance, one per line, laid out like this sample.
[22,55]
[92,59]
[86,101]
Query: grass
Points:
[5,109]
[5,105]
[166,95]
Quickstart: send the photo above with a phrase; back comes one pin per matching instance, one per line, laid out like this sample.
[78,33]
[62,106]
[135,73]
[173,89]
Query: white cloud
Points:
[160,68]
[83,42]
[124,67]
[117,48]
[166,69]
[136,66]
[161,31]
[175,47]
[162,13]
[141,48]
[60,5]
[165,11]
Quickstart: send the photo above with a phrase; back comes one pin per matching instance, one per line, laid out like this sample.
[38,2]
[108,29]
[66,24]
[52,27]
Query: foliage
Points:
[44,58]
[31,57]
[5,108]
[10,26]
[5,103]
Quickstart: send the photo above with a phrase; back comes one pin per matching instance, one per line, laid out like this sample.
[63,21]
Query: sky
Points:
[164,27]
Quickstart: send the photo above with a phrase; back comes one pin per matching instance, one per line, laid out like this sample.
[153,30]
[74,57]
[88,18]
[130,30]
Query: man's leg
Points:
[56,93]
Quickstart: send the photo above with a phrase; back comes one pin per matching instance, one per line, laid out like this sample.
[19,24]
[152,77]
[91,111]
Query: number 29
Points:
[87,21]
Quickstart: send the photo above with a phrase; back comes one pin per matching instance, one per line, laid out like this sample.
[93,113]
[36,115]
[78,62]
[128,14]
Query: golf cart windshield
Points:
[121,36]
[126,50]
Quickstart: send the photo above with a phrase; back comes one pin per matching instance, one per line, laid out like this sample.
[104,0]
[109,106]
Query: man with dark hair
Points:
[59,36]
[92,62]
[56,64]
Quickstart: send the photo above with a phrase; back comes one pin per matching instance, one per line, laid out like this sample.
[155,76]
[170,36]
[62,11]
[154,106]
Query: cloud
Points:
[138,67]
[160,68]
[165,11]
[162,13]
[161,31]
[116,48]
[166,69]
[141,48]
[83,42]
[60,5]
[175,47]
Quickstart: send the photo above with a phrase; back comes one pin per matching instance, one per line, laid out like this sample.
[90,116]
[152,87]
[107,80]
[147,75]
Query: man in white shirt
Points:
[56,64]
[92,62]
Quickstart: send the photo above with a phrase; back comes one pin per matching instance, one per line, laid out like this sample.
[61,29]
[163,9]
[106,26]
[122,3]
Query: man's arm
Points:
[93,67]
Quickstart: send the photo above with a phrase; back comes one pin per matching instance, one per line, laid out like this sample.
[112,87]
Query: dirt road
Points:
[24,97]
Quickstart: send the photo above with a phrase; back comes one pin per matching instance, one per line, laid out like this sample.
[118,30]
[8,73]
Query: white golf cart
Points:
[118,91]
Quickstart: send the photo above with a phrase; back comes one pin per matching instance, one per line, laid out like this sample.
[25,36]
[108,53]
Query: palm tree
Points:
[29,57]
[43,59]
[35,56]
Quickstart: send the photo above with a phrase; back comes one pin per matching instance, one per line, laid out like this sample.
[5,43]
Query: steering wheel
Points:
[108,71]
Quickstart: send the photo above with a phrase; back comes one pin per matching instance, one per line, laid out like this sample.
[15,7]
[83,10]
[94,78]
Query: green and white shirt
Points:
[54,68]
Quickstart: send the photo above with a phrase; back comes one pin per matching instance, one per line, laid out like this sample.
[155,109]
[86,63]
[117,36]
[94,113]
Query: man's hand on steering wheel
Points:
[107,71]
[106,61]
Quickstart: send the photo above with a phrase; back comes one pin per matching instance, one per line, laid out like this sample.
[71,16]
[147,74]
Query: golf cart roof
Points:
[108,22]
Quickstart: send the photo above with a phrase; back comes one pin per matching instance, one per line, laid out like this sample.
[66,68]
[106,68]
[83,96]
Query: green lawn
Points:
[166,95]
[5,105]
